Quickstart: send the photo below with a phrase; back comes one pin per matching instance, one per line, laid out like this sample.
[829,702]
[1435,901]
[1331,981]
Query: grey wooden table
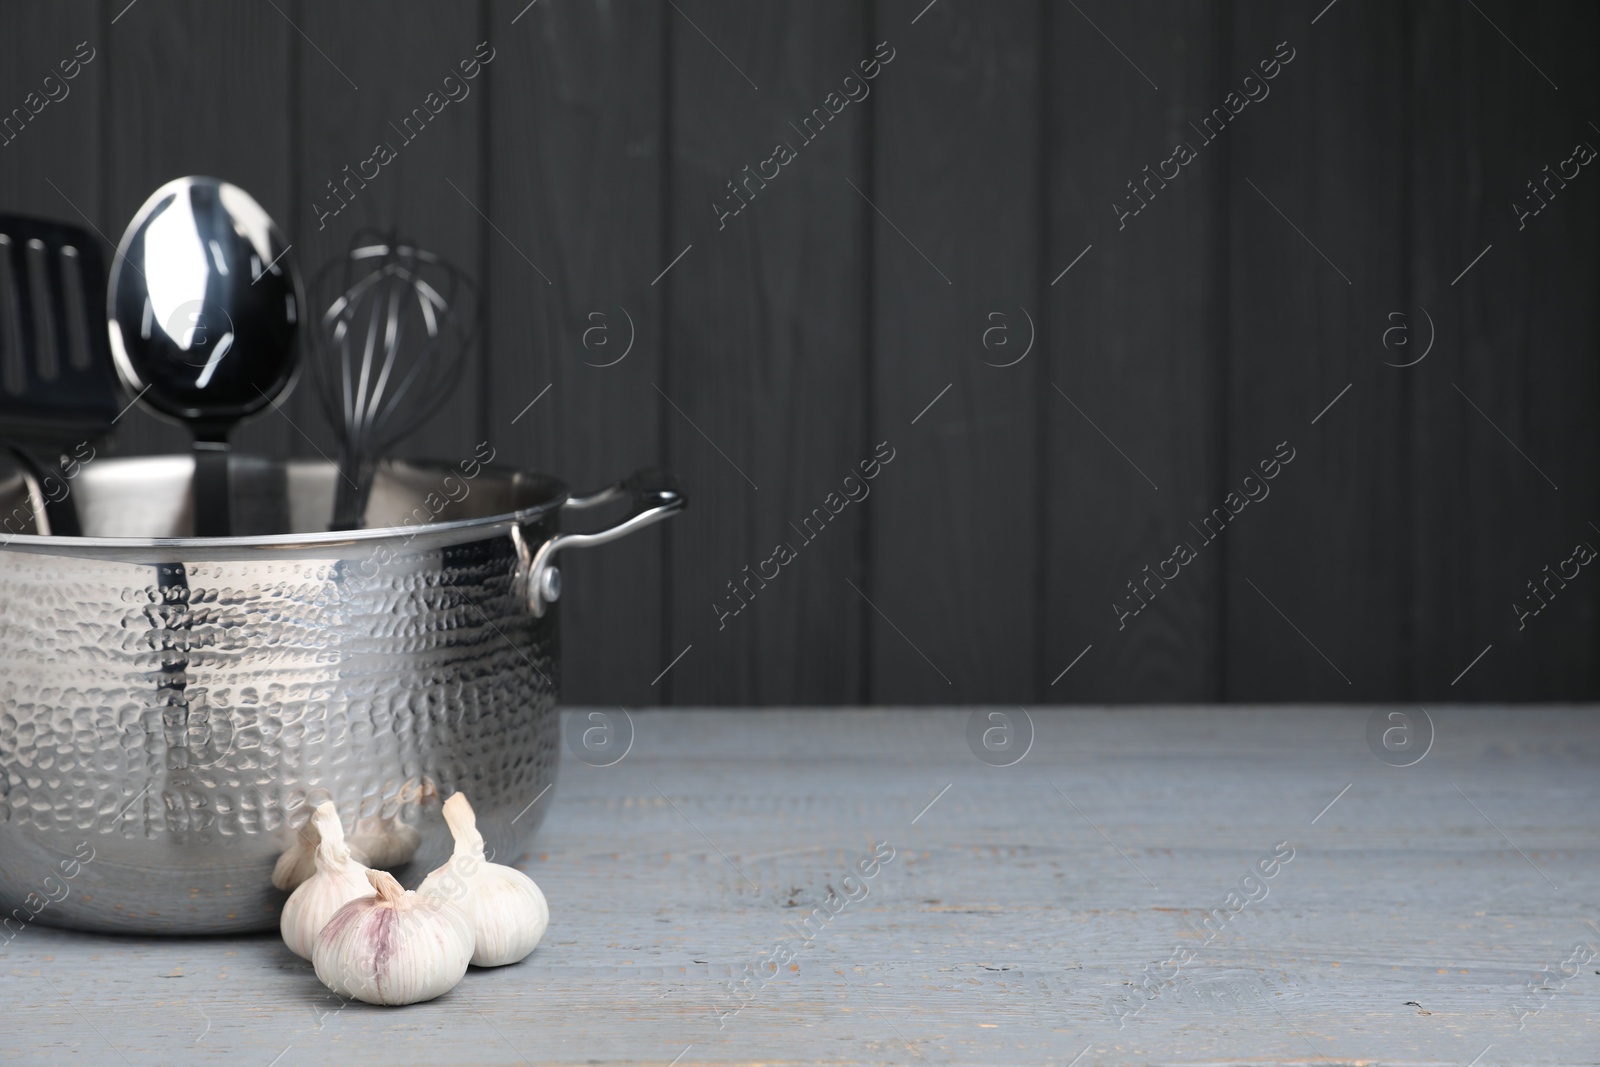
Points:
[1071,908]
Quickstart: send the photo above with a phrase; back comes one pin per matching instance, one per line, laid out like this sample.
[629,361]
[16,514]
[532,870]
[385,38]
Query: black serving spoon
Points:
[205,307]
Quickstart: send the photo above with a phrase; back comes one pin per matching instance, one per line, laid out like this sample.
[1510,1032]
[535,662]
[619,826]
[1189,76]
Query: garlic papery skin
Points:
[508,911]
[384,842]
[339,879]
[299,860]
[393,948]
[387,841]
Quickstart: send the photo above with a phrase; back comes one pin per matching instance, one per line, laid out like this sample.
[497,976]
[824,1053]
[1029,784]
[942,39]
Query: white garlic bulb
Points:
[387,841]
[378,841]
[384,842]
[396,947]
[299,860]
[339,879]
[508,911]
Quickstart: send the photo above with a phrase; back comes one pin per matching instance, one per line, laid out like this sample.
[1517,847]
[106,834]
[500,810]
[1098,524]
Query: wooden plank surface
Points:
[764,368]
[1019,913]
[1134,416]
[1506,436]
[803,331]
[1317,265]
[956,245]
[51,165]
[575,140]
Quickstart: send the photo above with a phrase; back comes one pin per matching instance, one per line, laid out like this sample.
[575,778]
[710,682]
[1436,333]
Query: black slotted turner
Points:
[58,388]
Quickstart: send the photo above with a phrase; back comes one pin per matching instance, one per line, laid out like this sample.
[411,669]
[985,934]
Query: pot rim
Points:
[430,535]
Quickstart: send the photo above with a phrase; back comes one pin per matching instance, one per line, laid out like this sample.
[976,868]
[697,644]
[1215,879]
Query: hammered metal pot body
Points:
[171,713]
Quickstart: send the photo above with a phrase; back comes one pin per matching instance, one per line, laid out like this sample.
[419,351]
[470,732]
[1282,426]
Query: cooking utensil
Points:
[205,306]
[389,351]
[179,734]
[58,392]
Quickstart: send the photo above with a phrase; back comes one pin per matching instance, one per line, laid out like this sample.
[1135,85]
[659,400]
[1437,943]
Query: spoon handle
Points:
[212,498]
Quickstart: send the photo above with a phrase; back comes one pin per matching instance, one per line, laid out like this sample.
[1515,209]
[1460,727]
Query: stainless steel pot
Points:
[172,708]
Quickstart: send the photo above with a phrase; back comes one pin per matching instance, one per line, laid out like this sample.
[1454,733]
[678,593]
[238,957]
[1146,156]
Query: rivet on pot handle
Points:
[656,495]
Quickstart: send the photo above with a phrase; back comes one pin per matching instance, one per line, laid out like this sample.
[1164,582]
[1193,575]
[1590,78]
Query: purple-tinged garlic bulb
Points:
[396,947]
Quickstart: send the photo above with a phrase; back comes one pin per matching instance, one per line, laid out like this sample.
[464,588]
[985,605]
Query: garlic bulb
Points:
[384,842]
[377,841]
[508,911]
[387,841]
[339,879]
[299,860]
[393,948]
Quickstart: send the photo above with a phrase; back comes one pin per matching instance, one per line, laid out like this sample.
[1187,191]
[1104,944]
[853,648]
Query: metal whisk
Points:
[390,350]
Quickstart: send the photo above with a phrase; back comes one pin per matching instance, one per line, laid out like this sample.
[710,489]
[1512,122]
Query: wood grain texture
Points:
[198,88]
[1134,419]
[1505,407]
[764,367]
[1317,265]
[576,140]
[794,336]
[1005,929]
[366,67]
[51,160]
[956,188]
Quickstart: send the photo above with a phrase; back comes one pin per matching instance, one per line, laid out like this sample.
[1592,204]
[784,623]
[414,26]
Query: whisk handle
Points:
[350,497]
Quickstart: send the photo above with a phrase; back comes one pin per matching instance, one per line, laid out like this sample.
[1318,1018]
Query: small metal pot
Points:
[172,707]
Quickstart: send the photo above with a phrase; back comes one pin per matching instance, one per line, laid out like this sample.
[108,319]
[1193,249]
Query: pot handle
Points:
[656,495]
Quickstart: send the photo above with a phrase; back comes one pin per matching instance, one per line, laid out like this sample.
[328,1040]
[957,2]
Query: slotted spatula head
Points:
[58,385]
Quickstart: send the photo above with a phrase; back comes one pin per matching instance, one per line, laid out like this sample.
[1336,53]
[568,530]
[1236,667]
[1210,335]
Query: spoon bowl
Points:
[205,307]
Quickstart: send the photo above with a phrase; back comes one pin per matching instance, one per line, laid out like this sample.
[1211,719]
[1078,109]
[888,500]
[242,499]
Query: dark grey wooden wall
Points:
[883,288]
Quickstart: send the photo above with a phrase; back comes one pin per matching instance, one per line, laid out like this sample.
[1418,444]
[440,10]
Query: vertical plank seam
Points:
[102,133]
[297,444]
[667,149]
[1041,448]
[1221,359]
[869,360]
[1408,396]
[485,308]
[296,167]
